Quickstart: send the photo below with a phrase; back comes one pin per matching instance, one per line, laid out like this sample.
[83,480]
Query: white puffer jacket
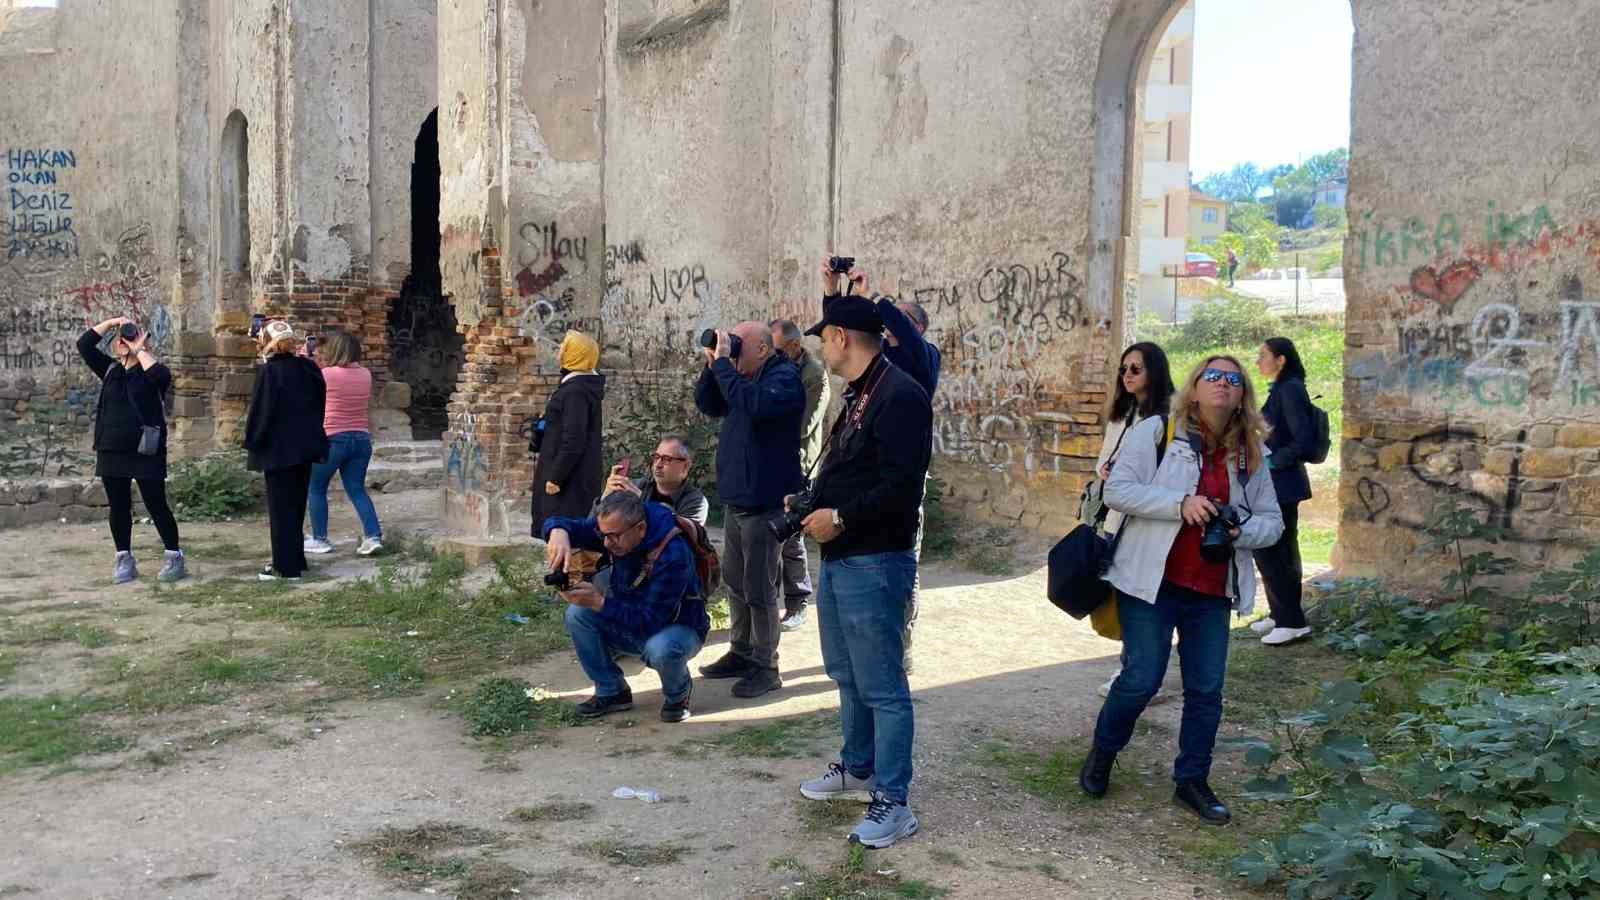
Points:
[1152,498]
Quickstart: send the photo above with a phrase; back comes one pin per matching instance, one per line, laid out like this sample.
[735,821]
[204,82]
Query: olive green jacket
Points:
[814,378]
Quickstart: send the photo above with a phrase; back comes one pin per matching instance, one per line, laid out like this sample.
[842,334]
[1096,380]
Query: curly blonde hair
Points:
[1246,428]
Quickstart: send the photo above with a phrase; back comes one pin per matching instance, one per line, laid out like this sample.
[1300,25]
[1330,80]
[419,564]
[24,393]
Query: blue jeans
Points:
[862,603]
[1202,626]
[668,652]
[349,452]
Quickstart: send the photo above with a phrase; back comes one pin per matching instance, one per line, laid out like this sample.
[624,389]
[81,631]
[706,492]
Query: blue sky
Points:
[1271,81]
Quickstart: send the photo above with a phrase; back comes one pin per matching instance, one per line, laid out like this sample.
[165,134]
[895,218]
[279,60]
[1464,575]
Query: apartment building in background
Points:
[1164,194]
[1208,217]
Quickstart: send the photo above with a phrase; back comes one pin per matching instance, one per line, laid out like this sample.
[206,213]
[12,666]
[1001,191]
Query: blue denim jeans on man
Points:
[862,603]
[349,452]
[1202,626]
[668,652]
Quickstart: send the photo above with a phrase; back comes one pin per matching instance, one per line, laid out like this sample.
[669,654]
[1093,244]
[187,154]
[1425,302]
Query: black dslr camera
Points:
[803,504]
[560,580]
[708,340]
[1215,543]
[841,265]
[128,331]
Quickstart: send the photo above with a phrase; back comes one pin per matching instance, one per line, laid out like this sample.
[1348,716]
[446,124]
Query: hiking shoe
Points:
[757,682]
[369,546]
[597,706]
[317,545]
[173,567]
[1198,798]
[125,569]
[1278,636]
[838,784]
[730,665]
[268,573]
[1263,625]
[886,821]
[1095,776]
[675,711]
[795,620]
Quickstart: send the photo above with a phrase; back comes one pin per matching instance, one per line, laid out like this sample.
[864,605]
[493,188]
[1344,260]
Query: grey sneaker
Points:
[886,821]
[317,545]
[369,546]
[173,568]
[125,570]
[794,621]
[838,784]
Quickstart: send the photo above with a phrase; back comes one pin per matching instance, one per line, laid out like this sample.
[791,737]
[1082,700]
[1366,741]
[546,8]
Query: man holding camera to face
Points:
[653,606]
[863,512]
[756,392]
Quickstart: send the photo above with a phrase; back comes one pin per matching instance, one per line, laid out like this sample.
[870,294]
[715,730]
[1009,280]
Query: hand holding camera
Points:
[557,550]
[719,344]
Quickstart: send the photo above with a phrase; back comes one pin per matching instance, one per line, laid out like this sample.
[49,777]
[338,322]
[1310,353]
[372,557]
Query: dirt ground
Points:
[251,799]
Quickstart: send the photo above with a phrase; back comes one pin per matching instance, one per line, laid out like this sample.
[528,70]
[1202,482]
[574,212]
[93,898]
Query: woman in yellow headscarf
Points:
[571,467]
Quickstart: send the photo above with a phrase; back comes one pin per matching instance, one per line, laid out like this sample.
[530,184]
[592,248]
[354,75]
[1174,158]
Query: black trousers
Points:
[287,489]
[119,491]
[1281,572]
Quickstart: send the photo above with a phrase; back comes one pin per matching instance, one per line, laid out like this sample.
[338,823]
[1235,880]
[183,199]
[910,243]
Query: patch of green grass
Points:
[8,666]
[50,730]
[1048,870]
[554,811]
[16,890]
[405,865]
[1262,680]
[989,551]
[1316,544]
[828,816]
[1052,777]
[635,856]
[60,631]
[795,737]
[227,550]
[489,879]
[850,878]
[389,667]
[505,706]
[160,758]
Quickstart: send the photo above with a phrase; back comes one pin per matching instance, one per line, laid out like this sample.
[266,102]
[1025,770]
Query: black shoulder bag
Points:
[149,435]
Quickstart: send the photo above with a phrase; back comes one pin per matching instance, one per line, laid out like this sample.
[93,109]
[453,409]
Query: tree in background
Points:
[1293,187]
[1242,184]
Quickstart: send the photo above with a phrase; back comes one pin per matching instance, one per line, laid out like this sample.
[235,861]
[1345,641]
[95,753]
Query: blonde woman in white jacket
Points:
[1143,389]
[1167,579]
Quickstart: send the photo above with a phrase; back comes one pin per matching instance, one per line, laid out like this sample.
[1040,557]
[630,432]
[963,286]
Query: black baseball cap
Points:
[854,313]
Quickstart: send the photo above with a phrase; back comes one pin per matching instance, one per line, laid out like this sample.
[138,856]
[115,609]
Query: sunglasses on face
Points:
[1212,376]
[1130,369]
[663,458]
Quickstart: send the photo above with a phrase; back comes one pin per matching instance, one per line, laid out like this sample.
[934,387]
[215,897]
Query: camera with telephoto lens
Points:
[560,580]
[128,331]
[1215,542]
[708,340]
[803,504]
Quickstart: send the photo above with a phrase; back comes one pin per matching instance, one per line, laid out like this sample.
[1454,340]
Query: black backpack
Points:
[1321,438]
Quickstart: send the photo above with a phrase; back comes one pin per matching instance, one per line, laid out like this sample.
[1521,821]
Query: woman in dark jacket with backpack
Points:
[131,387]
[284,436]
[571,467]
[1288,413]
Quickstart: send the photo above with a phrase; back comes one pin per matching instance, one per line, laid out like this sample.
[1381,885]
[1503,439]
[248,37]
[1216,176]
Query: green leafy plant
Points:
[211,488]
[1228,320]
[634,427]
[501,706]
[1449,524]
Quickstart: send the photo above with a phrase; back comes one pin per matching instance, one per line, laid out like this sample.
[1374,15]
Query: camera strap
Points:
[850,420]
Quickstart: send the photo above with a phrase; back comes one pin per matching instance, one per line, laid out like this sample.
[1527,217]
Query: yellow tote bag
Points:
[1105,621]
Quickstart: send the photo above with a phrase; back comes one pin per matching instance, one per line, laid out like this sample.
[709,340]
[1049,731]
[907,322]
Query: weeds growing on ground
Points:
[851,878]
[554,811]
[635,856]
[504,706]
[796,737]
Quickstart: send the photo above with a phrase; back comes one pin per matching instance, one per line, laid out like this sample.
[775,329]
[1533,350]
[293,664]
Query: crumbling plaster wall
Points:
[1473,275]
[405,89]
[472,197]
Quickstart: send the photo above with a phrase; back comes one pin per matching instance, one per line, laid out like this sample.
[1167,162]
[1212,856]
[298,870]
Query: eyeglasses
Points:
[617,535]
[1212,376]
[664,458]
[1130,369]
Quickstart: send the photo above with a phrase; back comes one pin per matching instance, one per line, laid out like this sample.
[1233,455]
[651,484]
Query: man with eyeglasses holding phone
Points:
[668,481]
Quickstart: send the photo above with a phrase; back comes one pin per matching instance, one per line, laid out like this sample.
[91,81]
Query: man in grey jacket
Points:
[668,481]
[796,576]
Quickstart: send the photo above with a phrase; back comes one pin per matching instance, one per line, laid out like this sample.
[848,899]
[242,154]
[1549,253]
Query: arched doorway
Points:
[425,350]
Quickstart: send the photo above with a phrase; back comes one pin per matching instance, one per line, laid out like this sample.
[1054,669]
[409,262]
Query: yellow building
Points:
[1208,217]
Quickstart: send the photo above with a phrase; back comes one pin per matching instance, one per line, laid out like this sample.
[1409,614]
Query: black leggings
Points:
[154,493]
[1281,572]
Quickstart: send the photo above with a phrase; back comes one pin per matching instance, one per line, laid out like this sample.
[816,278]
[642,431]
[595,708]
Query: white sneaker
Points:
[369,546]
[317,545]
[1285,635]
[1262,626]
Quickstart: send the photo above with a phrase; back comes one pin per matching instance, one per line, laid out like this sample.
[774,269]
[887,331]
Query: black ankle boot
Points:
[1197,797]
[1095,776]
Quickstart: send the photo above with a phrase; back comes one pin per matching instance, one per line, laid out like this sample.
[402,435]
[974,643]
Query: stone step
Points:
[390,475]
[407,451]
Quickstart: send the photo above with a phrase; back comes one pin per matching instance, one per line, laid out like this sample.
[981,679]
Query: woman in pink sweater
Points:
[349,443]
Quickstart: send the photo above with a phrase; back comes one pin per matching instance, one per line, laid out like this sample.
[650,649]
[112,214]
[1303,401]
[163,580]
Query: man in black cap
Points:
[865,500]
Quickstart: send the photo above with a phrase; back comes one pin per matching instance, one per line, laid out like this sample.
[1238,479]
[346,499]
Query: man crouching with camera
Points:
[653,606]
[862,510]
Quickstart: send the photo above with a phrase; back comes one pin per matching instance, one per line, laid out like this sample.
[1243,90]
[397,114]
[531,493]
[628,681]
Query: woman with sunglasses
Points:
[1171,575]
[1288,414]
[1143,389]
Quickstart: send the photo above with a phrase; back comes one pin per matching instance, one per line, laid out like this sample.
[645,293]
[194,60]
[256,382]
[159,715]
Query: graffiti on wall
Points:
[39,204]
[475,501]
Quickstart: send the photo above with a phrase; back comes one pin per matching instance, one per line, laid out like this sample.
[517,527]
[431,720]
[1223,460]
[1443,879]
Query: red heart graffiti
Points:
[1446,287]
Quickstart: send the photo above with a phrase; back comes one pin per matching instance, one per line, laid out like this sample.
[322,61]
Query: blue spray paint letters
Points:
[38,209]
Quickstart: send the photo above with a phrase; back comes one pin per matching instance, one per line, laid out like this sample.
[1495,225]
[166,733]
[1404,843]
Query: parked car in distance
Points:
[1199,264]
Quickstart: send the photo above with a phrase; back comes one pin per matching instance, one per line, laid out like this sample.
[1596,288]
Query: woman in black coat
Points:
[571,466]
[284,436]
[1288,413]
[131,388]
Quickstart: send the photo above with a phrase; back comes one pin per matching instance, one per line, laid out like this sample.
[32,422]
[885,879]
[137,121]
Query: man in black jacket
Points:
[758,396]
[865,519]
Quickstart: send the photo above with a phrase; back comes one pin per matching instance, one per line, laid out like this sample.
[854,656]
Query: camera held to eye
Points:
[560,580]
[1215,542]
[128,331]
[708,340]
[803,504]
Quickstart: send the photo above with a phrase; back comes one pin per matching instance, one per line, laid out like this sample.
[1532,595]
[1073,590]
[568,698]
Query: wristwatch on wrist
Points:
[838,523]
